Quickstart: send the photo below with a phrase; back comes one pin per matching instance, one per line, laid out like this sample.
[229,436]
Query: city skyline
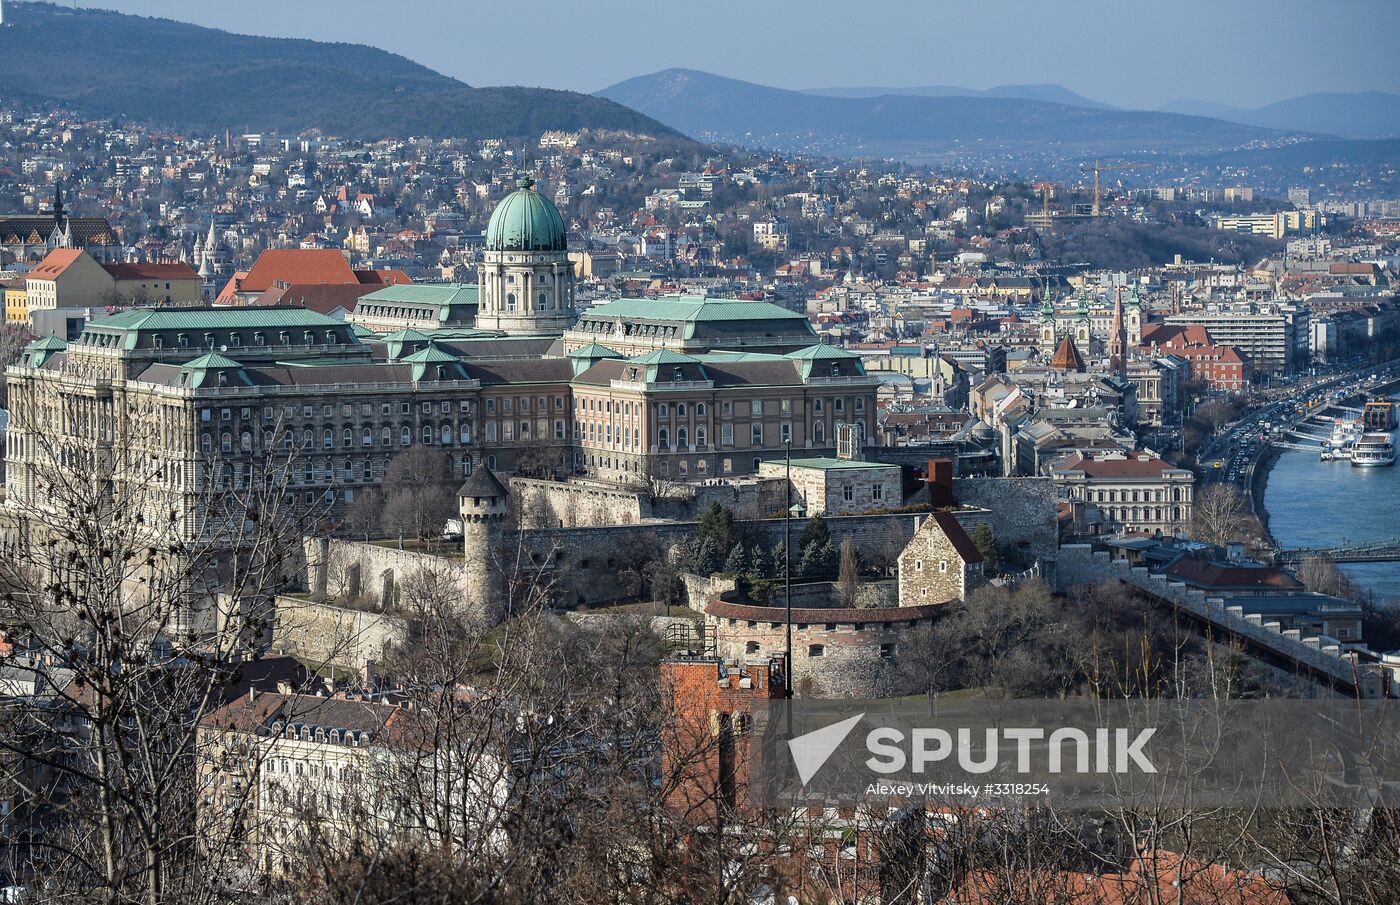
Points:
[1030,43]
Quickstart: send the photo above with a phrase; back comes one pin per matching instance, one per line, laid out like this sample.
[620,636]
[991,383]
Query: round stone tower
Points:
[481,500]
[527,282]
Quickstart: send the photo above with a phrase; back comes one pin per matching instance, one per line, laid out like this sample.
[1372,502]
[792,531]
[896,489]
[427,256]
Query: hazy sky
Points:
[1127,52]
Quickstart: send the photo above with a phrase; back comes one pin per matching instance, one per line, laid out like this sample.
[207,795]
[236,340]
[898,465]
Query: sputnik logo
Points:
[812,750]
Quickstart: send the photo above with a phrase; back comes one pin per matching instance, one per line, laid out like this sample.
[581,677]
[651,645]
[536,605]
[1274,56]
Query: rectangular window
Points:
[756,408]
[757,435]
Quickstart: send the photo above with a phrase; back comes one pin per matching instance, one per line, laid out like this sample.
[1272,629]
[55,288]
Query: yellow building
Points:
[16,303]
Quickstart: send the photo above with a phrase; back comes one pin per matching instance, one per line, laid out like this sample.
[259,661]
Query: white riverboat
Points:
[1373,450]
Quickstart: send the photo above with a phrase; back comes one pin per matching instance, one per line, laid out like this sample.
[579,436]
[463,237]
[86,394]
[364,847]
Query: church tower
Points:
[527,280]
[1047,327]
[1083,326]
[1117,353]
[1132,320]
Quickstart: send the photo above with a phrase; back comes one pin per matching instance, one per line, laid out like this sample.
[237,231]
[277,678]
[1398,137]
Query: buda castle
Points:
[180,401]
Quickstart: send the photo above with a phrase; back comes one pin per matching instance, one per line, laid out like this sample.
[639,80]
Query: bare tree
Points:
[848,577]
[1220,514]
[419,493]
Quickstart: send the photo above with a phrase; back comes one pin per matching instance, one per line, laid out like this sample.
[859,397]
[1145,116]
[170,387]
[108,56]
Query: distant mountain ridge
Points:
[1358,114]
[172,74]
[706,105]
[1050,93]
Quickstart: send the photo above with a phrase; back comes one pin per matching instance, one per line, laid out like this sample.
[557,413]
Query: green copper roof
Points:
[213,319]
[406,336]
[199,369]
[427,294]
[595,350]
[431,355]
[47,344]
[826,463]
[819,352]
[663,357]
[525,220]
[692,308]
[211,360]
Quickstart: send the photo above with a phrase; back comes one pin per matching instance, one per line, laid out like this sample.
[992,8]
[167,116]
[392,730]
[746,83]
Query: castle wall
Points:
[338,636]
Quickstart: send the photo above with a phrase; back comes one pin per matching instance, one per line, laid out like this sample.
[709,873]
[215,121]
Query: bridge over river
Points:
[1387,550]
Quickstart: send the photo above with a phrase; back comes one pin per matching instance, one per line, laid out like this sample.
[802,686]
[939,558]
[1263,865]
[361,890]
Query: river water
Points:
[1323,504]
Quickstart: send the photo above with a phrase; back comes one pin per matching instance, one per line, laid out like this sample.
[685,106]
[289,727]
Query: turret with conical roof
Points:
[527,280]
[481,502]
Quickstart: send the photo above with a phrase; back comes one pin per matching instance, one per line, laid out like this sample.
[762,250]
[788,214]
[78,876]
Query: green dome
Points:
[525,220]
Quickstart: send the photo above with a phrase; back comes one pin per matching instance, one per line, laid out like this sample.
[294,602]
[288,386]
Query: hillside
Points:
[168,73]
[709,106]
[1359,114]
[1054,94]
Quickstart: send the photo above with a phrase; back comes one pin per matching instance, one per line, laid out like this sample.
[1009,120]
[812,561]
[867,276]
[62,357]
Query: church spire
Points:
[1117,353]
[58,201]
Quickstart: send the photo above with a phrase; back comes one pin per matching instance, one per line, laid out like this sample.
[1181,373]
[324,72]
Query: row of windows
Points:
[235,340]
[347,410]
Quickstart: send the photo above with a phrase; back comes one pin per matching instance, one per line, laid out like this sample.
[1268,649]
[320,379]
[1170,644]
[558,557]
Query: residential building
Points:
[830,486]
[1129,492]
[940,564]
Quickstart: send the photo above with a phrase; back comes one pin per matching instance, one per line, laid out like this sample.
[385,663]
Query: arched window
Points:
[246,441]
[327,438]
[206,443]
[681,437]
[366,437]
[446,434]
[386,436]
[427,433]
[226,442]
[818,432]
[662,411]
[663,438]
[306,437]
[700,437]
[405,435]
[680,409]
[816,405]
[347,438]
[465,434]
[699,409]
[510,301]
[544,301]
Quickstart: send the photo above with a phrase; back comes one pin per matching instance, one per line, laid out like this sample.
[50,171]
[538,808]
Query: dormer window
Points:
[284,338]
[677,374]
[330,338]
[157,342]
[260,338]
[235,339]
[184,340]
[308,337]
[223,378]
[835,369]
[209,340]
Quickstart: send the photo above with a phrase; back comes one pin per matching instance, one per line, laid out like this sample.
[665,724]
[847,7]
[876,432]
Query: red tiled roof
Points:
[383,277]
[1134,466]
[1067,357]
[957,537]
[1218,575]
[55,263]
[298,265]
[322,298]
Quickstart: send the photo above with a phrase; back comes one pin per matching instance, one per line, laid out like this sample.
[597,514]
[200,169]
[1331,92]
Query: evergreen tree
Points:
[814,532]
[779,557]
[758,562]
[705,559]
[820,561]
[735,563]
[717,524]
[985,540]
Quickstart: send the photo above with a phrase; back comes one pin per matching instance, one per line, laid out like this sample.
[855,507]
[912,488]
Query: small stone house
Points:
[941,564]
[827,486]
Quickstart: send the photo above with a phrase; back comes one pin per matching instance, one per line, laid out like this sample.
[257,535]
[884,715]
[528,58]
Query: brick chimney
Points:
[940,482]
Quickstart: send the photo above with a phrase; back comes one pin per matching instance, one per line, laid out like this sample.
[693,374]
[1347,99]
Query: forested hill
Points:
[167,73]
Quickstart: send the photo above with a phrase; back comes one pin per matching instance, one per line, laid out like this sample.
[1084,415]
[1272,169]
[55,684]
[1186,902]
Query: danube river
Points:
[1323,504]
